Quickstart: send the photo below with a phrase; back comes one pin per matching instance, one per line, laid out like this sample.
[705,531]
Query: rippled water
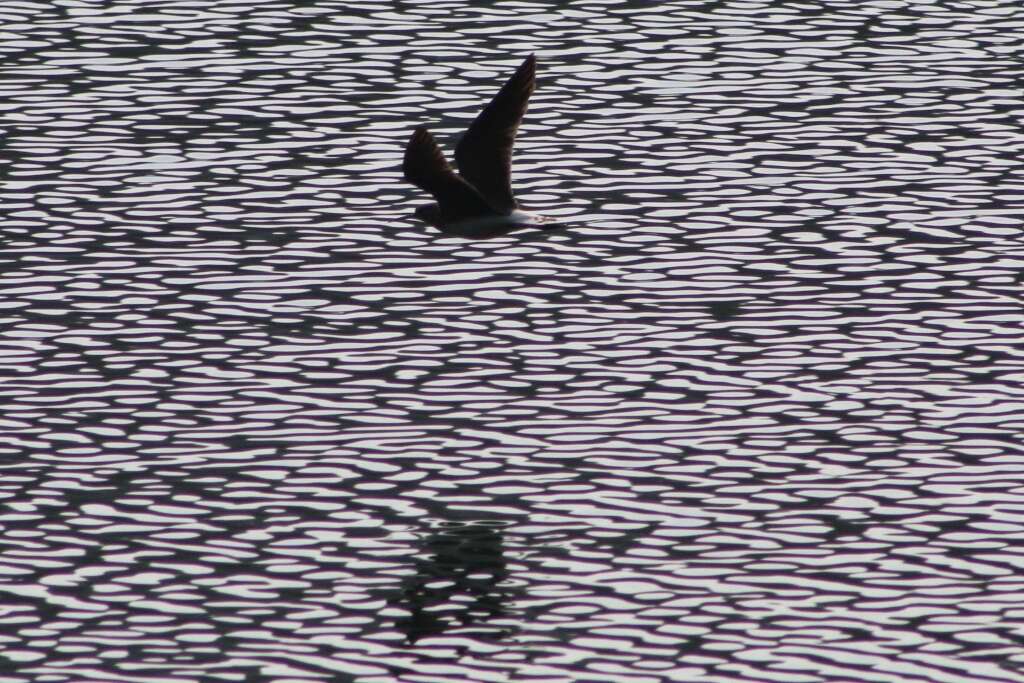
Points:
[755,415]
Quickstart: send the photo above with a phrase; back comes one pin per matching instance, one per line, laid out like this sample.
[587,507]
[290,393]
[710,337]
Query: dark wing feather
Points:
[484,154]
[425,167]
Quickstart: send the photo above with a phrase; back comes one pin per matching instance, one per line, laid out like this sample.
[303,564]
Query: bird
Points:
[476,201]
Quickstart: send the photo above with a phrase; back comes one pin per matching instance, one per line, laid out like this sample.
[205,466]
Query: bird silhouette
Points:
[476,201]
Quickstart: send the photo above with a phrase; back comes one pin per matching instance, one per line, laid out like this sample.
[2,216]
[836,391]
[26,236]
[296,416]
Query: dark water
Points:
[755,415]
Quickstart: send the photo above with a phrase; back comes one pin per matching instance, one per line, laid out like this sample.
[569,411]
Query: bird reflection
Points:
[457,582]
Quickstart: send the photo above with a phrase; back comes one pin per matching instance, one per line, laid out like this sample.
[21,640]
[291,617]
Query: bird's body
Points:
[478,200]
[494,225]
[431,213]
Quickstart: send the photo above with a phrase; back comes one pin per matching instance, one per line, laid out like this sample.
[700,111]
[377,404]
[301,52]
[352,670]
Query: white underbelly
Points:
[510,220]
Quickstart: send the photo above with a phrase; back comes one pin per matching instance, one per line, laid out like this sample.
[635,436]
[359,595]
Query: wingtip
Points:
[526,74]
[419,144]
[419,139]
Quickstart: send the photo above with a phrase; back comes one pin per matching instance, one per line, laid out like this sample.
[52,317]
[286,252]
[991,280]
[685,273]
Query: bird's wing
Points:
[484,154]
[425,167]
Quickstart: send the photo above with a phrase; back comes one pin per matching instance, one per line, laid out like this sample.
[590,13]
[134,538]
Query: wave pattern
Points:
[755,414]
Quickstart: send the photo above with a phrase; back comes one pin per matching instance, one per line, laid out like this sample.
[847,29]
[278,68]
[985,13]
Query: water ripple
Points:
[754,415]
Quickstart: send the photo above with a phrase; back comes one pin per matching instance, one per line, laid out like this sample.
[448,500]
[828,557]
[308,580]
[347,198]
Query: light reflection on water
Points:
[752,416]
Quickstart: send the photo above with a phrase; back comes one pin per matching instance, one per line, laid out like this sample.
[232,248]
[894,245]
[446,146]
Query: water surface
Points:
[754,415]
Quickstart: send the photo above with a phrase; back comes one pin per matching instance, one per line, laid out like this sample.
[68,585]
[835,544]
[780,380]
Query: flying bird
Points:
[478,200]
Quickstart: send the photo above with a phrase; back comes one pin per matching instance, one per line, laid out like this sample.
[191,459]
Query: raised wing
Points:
[484,154]
[425,167]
